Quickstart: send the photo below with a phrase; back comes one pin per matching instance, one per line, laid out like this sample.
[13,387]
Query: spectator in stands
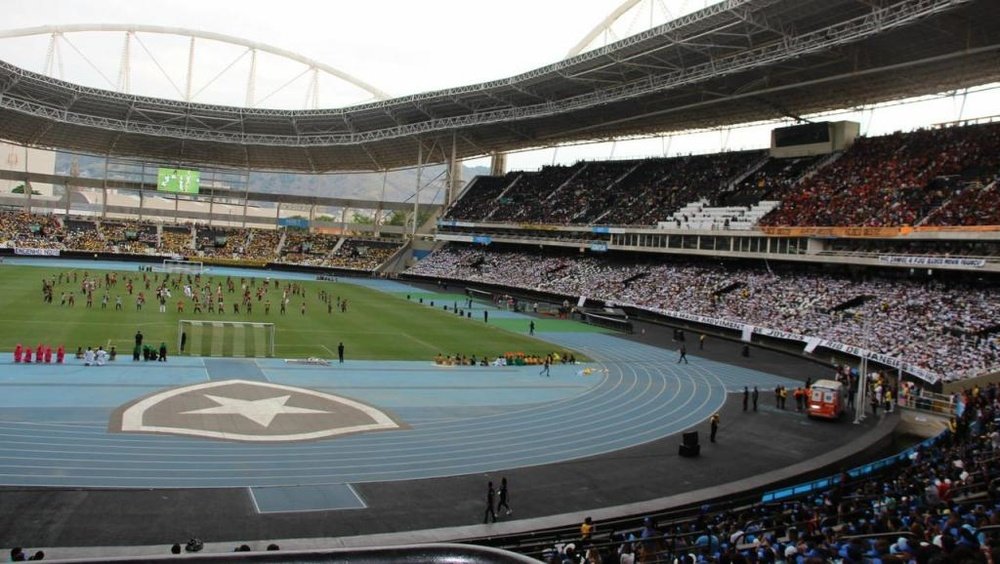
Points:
[586,530]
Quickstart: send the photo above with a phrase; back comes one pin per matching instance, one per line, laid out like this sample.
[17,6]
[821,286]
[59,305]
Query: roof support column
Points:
[377,217]
[416,195]
[211,202]
[27,183]
[453,182]
[68,188]
[104,189]
[246,197]
[498,164]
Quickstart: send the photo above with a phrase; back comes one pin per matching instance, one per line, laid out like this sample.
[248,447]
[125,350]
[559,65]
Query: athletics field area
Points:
[381,448]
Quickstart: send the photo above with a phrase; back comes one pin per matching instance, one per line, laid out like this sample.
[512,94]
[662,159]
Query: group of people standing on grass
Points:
[204,295]
[146,352]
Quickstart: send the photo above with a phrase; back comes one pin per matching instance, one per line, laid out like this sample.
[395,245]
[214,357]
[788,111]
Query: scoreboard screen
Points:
[178,180]
[806,134]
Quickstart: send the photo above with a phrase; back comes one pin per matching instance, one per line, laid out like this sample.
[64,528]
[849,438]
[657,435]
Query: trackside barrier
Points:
[824,484]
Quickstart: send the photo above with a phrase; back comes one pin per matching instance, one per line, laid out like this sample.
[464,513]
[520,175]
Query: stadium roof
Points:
[734,62]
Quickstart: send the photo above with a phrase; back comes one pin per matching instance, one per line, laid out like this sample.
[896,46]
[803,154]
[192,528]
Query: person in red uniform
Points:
[60,354]
[39,353]
[18,351]
[48,354]
[27,355]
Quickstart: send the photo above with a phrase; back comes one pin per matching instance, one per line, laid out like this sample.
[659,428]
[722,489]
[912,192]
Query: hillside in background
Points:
[399,184]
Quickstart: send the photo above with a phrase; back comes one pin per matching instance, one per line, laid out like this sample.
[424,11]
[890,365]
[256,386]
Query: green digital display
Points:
[178,180]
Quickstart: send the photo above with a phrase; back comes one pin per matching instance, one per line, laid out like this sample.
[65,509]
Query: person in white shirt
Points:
[88,357]
[102,356]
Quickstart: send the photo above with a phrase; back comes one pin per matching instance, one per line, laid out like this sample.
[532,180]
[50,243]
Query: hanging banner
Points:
[293,222]
[30,252]
[811,344]
[836,231]
[932,261]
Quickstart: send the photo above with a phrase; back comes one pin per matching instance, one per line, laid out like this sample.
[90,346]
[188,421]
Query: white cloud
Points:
[399,46]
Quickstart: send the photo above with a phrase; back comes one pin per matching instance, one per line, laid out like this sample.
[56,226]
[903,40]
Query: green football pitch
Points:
[376,325]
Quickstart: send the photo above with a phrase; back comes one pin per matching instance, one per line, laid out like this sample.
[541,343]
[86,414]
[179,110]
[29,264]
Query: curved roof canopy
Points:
[734,62]
[199,34]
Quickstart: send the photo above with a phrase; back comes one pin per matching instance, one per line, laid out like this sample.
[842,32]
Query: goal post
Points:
[183,266]
[197,337]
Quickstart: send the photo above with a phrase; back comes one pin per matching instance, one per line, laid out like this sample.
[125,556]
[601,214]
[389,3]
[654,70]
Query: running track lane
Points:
[644,396]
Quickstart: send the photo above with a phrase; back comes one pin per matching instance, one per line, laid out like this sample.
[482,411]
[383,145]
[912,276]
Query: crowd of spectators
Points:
[175,240]
[939,504]
[221,242]
[633,192]
[82,235]
[776,176]
[260,244]
[303,247]
[482,197]
[130,237]
[974,204]
[21,229]
[949,329]
[525,200]
[362,254]
[893,180]
[942,176]
[668,184]
[35,231]
[580,199]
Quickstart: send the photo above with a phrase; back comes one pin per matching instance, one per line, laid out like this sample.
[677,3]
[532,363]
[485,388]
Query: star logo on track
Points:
[250,411]
[261,411]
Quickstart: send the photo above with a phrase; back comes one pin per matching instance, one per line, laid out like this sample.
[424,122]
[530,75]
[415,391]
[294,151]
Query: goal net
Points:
[183,266]
[196,337]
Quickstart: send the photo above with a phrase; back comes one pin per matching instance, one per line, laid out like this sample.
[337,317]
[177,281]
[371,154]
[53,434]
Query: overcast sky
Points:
[398,46]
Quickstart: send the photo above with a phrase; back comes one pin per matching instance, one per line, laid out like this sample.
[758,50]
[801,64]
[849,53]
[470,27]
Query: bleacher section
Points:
[948,329]
[941,176]
[131,237]
[893,180]
[633,192]
[220,242]
[83,235]
[524,199]
[362,254]
[775,175]
[176,240]
[34,231]
[933,502]
[302,247]
[480,198]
